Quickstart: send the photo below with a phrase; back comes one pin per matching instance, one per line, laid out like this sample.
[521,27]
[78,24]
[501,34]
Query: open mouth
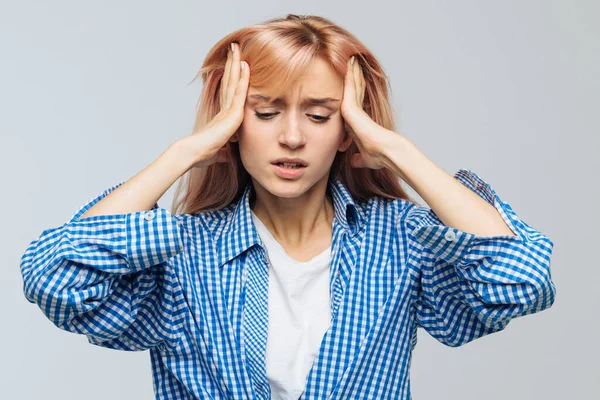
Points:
[289,165]
[290,171]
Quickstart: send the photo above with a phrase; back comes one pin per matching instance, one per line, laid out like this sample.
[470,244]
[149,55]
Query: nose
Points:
[292,132]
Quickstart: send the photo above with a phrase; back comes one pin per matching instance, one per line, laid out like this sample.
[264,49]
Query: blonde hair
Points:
[278,51]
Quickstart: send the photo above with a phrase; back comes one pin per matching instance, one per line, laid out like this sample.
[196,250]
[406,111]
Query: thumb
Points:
[356,161]
[222,155]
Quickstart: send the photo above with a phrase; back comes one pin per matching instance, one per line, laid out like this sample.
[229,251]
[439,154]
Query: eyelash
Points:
[268,116]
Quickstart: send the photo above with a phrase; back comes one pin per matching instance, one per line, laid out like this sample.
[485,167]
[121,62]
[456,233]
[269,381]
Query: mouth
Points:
[285,170]
[289,165]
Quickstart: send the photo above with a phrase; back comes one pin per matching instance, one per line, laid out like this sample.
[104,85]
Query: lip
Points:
[290,160]
[288,173]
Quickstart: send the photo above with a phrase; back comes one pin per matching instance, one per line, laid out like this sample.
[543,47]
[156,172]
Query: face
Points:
[294,127]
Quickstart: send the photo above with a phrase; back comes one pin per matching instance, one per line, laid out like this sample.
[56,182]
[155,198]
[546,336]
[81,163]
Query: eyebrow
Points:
[279,100]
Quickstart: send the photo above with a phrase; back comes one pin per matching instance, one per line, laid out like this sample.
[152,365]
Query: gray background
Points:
[92,92]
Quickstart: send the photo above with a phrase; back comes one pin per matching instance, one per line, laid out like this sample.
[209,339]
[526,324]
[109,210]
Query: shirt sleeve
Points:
[107,277]
[472,285]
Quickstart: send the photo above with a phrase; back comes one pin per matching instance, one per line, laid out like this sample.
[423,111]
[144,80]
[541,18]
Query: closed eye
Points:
[317,118]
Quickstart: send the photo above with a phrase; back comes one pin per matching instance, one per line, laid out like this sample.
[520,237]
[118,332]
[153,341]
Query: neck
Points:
[296,221]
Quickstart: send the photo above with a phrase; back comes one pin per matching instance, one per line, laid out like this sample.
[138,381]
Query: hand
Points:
[369,136]
[211,141]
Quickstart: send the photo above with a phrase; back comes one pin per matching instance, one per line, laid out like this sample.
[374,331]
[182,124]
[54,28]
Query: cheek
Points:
[334,134]
[336,127]
[246,129]
[252,139]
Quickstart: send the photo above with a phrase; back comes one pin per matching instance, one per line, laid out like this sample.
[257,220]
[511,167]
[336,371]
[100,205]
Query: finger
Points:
[225,79]
[356,76]
[362,95]
[363,87]
[239,98]
[349,92]
[234,75]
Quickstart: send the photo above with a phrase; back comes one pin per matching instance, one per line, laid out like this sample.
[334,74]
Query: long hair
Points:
[278,51]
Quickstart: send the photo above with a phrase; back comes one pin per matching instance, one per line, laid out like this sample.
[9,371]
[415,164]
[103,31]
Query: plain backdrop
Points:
[92,92]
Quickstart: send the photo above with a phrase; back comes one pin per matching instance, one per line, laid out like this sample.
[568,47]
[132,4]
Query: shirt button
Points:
[149,215]
[450,236]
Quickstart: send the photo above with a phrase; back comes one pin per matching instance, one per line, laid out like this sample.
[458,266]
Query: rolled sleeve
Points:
[107,276]
[497,277]
[451,244]
[141,239]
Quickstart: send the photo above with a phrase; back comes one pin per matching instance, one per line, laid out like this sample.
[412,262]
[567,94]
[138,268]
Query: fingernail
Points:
[232,47]
[352,60]
[243,65]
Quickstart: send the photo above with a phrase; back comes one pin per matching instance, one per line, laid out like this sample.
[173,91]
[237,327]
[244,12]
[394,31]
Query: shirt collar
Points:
[239,232]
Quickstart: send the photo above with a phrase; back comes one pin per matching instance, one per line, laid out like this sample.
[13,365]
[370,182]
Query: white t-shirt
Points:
[299,315]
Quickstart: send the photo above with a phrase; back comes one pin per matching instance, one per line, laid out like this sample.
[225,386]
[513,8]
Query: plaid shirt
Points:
[193,289]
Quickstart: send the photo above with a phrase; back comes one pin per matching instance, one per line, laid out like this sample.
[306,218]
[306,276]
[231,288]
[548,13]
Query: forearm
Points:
[455,204]
[143,190]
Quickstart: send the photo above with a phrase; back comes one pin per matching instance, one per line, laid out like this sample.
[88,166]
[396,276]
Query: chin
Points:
[284,188]
[287,188]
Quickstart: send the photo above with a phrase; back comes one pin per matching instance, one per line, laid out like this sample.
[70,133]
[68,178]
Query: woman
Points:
[293,263]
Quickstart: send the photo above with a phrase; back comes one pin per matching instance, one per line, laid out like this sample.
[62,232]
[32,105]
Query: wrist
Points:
[180,156]
[398,154]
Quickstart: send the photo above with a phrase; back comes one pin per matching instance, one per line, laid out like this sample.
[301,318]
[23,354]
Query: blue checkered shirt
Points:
[193,289]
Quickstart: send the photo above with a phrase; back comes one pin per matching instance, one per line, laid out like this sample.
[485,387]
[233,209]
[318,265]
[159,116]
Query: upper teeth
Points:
[291,164]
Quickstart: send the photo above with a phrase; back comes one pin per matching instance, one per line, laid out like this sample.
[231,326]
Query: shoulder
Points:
[401,217]
[401,210]
[390,215]
[206,224]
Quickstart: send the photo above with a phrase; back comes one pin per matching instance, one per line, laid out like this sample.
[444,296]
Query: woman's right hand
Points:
[210,143]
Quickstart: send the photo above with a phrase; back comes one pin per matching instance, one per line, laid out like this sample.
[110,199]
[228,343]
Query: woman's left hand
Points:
[369,136]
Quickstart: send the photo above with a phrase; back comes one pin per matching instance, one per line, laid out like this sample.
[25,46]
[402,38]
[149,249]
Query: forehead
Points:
[318,81]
